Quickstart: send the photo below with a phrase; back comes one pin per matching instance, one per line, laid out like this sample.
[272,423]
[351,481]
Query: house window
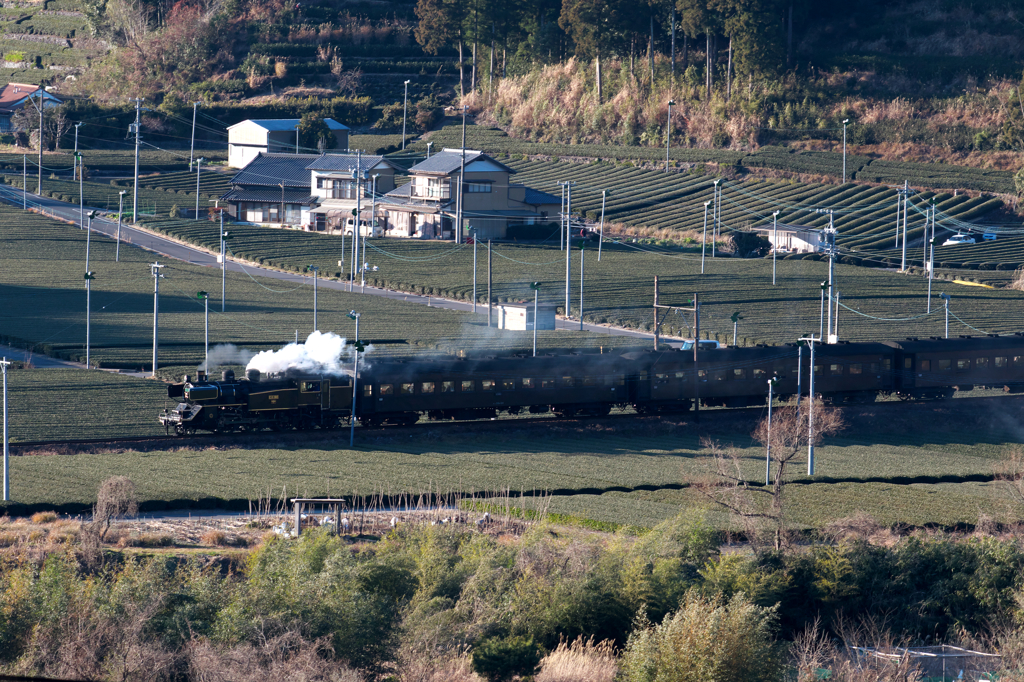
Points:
[478,187]
[293,213]
[275,214]
[255,214]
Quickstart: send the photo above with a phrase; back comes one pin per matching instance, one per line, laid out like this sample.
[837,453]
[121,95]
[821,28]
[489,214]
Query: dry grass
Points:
[1018,280]
[581,661]
[432,666]
[215,538]
[44,517]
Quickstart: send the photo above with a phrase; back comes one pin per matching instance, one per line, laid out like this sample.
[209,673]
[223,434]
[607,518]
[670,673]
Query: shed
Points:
[272,135]
[519,316]
[794,238]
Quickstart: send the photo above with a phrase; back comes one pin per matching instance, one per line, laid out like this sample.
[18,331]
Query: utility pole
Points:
[600,236]
[120,212]
[7,451]
[668,129]
[39,108]
[155,269]
[831,267]
[205,298]
[836,328]
[224,236]
[736,317]
[715,221]
[357,348]
[775,241]
[81,194]
[568,247]
[135,195]
[695,309]
[462,181]
[89,276]
[582,244]
[192,148]
[24,182]
[536,292]
[845,121]
[199,168]
[768,454]
[405,112]
[357,175]
[945,301]
[373,226]
[76,135]
[473,236]
[489,297]
[931,261]
[906,206]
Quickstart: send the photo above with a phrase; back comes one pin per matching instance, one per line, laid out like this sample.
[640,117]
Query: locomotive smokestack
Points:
[227,375]
[252,375]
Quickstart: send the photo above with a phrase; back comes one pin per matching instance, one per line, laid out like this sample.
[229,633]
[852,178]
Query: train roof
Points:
[936,344]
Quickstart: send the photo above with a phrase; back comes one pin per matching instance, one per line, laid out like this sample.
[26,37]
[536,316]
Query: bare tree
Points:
[57,123]
[117,499]
[1010,471]
[729,486]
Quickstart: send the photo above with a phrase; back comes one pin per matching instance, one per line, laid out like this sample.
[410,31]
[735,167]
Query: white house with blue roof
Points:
[273,136]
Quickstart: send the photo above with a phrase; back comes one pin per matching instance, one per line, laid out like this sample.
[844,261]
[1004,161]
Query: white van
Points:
[364,228]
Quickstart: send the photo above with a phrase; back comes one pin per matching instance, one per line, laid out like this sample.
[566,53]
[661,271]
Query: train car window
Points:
[615,380]
[758,373]
[681,376]
[963,364]
[874,368]
[856,368]
[468,386]
[835,370]
[408,389]
[720,375]
[887,364]
[487,384]
[589,381]
[702,374]
[387,389]
[926,365]
[310,387]
[981,363]
[817,369]
[661,377]
[547,383]
[427,387]
[508,384]
[368,390]
[447,387]
[1018,360]
[528,383]
[945,365]
[568,382]
[1000,362]
[908,363]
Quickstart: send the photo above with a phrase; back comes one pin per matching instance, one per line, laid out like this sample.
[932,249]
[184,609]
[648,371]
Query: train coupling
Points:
[183,413]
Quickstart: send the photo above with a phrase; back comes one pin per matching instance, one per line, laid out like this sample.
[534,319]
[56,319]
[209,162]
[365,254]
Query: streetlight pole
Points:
[906,206]
[582,244]
[768,454]
[315,270]
[135,127]
[775,241]
[199,167]
[24,182]
[155,269]
[715,218]
[89,276]
[205,298]
[600,236]
[192,148]
[120,209]
[405,112]
[472,235]
[736,317]
[357,348]
[81,195]
[821,322]
[76,135]
[838,295]
[39,108]
[490,298]
[845,122]
[668,133]
[945,300]
[931,261]
[568,245]
[704,241]
[536,292]
[810,410]
[224,236]
[7,454]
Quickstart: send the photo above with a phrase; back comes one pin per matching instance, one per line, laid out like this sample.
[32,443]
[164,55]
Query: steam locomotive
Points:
[591,384]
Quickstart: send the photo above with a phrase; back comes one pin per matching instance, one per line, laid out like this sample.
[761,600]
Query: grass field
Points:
[904,464]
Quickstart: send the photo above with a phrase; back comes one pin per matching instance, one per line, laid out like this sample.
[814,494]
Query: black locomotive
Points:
[401,392]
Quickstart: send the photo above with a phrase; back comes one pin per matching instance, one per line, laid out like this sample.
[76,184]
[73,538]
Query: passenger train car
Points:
[443,388]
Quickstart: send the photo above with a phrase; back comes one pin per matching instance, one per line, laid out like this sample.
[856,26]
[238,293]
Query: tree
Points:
[440,25]
[314,133]
[117,499]
[788,437]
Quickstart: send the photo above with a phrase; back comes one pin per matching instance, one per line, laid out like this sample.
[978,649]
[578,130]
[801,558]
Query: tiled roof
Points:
[450,160]
[279,124]
[270,196]
[537,197]
[12,93]
[269,170]
[345,163]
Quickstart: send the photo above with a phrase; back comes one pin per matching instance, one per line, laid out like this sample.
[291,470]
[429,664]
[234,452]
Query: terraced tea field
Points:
[107,162]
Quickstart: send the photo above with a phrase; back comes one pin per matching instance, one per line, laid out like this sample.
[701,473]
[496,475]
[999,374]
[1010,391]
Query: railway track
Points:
[270,438]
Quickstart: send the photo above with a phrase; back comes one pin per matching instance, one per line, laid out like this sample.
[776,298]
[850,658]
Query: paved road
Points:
[170,248]
[37,360]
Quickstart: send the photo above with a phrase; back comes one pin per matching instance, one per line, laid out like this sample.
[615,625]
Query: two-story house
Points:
[246,140]
[426,206]
[15,96]
[334,182]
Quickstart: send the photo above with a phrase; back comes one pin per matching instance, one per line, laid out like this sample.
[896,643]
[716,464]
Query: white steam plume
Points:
[320,354]
[227,354]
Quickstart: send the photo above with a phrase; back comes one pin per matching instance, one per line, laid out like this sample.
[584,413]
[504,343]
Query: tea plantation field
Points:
[918,467]
[41,283]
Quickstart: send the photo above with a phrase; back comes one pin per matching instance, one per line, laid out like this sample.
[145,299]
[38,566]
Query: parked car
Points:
[989,236]
[704,345]
[364,228]
[959,239]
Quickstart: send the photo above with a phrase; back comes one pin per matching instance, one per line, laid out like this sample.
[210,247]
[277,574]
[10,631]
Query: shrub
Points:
[117,498]
[214,538]
[706,640]
[44,517]
[501,659]
[176,212]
